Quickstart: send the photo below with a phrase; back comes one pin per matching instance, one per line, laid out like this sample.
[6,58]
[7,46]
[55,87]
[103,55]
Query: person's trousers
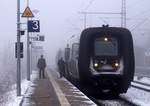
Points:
[41,73]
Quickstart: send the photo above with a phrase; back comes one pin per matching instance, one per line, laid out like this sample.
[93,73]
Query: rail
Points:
[141,86]
[118,101]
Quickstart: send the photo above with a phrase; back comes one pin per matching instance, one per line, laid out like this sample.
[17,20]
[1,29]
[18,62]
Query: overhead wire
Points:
[137,16]
[142,22]
[90,3]
[133,4]
[141,13]
[130,6]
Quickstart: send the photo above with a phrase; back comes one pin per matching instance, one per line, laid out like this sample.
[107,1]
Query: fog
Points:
[60,19]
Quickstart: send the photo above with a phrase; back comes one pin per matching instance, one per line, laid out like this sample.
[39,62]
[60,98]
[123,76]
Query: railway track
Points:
[120,101]
[141,83]
[110,100]
[141,86]
[113,100]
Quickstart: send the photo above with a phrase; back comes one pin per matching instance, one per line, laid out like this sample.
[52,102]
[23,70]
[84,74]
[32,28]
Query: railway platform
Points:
[53,91]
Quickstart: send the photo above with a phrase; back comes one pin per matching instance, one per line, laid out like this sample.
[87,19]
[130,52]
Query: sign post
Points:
[28,55]
[18,51]
[28,14]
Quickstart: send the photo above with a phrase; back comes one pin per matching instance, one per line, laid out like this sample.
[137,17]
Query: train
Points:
[102,58]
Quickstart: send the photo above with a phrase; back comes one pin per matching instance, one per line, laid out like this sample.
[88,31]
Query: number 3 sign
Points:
[34,26]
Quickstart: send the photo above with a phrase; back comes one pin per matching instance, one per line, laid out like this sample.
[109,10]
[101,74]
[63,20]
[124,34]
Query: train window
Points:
[106,46]
[75,50]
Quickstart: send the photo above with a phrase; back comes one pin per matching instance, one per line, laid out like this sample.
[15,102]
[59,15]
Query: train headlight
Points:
[95,64]
[116,64]
[105,39]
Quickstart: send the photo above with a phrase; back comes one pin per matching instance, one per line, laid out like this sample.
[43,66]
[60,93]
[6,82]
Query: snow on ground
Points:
[141,86]
[137,96]
[142,79]
[74,89]
[77,91]
[11,99]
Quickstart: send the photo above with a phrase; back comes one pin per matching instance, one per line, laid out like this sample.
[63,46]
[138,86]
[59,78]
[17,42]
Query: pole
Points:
[123,14]
[31,55]
[18,51]
[28,50]
[28,54]
[85,21]
[125,19]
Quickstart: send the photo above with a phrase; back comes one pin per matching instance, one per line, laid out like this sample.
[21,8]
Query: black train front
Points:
[103,59]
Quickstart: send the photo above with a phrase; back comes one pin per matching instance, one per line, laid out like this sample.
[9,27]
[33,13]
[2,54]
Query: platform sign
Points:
[34,38]
[34,26]
[41,38]
[27,13]
[37,47]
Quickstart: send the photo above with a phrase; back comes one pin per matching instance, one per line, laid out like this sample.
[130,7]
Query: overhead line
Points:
[133,3]
[141,13]
[139,24]
[103,20]
[100,13]
[90,3]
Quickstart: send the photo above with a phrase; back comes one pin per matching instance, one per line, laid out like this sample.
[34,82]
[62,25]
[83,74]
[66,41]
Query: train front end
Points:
[107,58]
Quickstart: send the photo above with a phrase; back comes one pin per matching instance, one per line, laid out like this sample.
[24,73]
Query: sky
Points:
[60,19]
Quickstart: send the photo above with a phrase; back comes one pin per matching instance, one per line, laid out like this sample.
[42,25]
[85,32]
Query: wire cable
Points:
[139,24]
[141,13]
[90,3]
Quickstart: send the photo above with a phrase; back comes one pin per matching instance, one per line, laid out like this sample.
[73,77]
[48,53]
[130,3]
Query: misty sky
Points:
[60,19]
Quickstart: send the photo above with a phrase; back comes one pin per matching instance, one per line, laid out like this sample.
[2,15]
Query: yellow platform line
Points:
[62,99]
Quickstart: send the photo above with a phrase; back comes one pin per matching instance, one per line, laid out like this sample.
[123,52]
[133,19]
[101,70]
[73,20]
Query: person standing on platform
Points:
[41,66]
[61,65]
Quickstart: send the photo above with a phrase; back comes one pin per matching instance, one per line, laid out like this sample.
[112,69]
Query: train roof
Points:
[105,29]
[119,31]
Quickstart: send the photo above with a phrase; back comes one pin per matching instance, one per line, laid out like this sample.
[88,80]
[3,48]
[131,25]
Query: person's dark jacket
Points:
[61,65]
[41,63]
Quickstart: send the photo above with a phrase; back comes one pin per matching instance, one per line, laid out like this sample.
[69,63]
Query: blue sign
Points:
[34,26]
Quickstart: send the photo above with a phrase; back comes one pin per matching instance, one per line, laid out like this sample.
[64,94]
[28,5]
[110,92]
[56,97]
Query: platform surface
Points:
[53,91]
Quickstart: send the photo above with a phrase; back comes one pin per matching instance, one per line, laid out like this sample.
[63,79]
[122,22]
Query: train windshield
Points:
[106,47]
